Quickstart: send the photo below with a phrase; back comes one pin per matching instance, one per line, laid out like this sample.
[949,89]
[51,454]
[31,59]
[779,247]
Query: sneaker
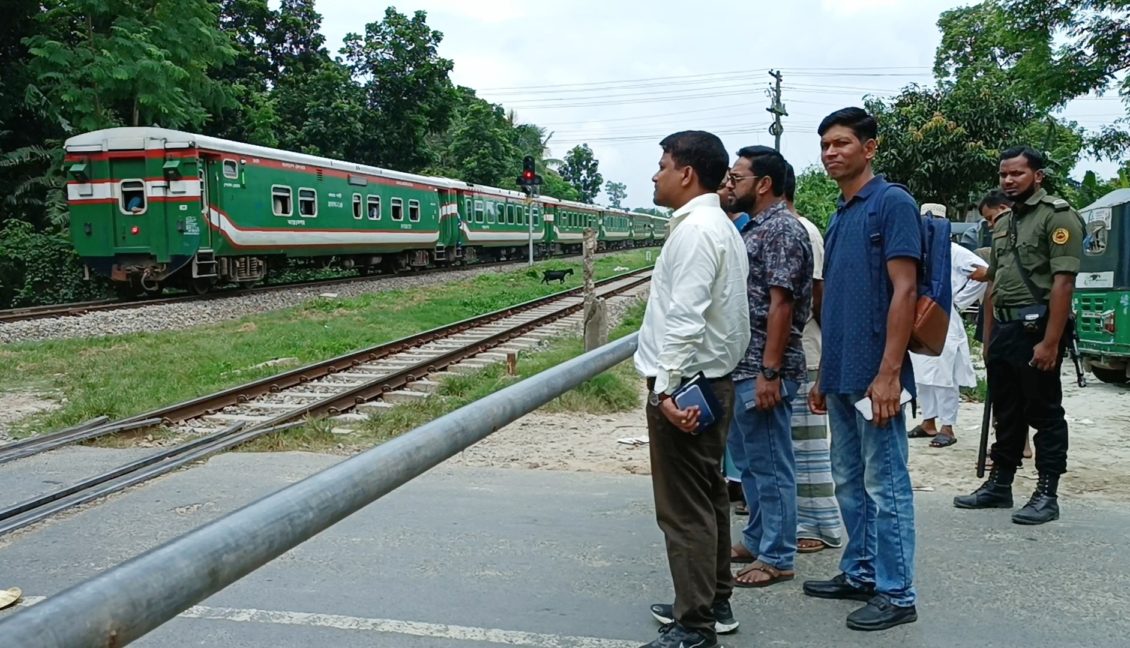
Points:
[673,635]
[880,614]
[724,621]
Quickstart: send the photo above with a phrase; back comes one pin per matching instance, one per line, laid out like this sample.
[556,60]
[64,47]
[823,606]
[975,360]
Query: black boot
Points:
[1044,505]
[996,492]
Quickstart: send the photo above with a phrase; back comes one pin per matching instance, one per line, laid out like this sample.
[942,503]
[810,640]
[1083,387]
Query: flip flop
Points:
[919,432]
[9,597]
[775,575]
[818,547]
[942,441]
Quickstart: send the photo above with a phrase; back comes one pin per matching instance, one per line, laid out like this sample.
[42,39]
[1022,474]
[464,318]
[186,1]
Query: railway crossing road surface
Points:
[469,557]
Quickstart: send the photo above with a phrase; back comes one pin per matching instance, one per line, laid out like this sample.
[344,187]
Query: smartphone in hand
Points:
[864,404]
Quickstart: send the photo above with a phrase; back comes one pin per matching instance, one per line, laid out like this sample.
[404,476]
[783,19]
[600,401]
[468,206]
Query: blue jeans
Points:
[761,445]
[876,500]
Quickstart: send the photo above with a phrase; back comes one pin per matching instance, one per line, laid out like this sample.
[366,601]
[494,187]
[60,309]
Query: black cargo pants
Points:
[1024,396]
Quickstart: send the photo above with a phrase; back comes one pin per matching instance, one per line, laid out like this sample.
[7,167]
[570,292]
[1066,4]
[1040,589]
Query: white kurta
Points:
[954,368]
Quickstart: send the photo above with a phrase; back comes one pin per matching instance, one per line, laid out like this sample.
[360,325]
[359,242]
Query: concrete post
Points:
[595,322]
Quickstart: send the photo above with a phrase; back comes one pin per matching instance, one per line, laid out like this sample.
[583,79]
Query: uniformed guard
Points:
[1033,263]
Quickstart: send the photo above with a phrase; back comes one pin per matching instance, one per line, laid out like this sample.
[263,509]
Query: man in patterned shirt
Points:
[768,377]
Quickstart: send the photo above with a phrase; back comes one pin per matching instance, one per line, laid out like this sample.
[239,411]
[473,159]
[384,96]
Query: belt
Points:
[1009,313]
[651,381]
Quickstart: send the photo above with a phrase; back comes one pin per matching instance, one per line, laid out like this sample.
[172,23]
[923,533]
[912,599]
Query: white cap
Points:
[933,209]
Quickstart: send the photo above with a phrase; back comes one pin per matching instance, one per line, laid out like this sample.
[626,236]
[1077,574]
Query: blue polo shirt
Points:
[857,293]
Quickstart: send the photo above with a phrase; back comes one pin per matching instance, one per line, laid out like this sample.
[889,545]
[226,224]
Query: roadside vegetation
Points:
[121,376]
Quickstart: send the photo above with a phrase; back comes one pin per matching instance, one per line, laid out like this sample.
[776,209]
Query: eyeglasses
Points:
[738,178]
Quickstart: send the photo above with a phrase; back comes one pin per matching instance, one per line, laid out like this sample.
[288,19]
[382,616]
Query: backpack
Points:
[935,294]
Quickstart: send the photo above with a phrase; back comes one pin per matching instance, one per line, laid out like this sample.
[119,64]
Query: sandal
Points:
[812,546]
[773,574]
[739,554]
[942,441]
[919,432]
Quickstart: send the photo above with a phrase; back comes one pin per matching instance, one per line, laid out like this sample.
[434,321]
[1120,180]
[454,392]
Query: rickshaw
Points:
[1102,288]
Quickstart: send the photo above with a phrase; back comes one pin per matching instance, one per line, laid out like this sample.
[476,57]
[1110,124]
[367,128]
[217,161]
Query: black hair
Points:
[767,163]
[857,119]
[1034,158]
[995,198]
[701,151]
[790,183]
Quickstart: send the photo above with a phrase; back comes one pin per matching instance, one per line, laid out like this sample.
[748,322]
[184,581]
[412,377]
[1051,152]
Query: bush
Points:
[40,268]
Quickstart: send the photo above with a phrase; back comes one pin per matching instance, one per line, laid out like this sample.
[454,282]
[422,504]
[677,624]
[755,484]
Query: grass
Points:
[615,390]
[121,376]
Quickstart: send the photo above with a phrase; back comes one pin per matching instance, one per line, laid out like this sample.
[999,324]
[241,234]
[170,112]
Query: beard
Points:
[743,204]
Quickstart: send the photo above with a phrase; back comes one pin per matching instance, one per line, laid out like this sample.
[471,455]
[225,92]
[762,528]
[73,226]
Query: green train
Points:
[152,207]
[1102,288]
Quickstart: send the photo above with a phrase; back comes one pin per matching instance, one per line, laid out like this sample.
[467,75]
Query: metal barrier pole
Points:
[131,599]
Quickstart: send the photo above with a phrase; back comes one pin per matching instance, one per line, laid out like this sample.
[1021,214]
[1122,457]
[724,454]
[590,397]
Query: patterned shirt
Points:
[780,256]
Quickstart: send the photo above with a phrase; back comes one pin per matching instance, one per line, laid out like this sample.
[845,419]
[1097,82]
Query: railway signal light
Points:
[529,178]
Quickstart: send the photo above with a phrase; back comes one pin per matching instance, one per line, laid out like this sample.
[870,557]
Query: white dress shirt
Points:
[697,316]
[811,335]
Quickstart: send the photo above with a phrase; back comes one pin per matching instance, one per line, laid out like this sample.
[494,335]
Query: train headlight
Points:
[135,230]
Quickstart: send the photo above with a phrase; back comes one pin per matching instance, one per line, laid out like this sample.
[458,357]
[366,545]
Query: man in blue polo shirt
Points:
[872,252]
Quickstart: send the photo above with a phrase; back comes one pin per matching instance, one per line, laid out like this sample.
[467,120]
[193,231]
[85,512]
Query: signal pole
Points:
[778,110]
[530,183]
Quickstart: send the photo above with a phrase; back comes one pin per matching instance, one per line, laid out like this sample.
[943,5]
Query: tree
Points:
[1046,51]
[816,196]
[617,192]
[944,142]
[480,145]
[407,89]
[100,64]
[319,111]
[581,170]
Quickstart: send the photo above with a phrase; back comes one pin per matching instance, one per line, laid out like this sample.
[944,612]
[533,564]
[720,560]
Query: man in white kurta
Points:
[940,378]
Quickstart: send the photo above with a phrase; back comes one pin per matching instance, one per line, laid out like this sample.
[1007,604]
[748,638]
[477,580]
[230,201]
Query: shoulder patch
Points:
[1060,205]
[1061,236]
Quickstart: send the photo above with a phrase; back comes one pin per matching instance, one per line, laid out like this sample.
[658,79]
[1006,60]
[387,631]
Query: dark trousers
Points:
[693,510]
[1024,397]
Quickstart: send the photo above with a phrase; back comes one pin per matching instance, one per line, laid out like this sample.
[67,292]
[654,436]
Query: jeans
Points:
[761,445]
[876,500]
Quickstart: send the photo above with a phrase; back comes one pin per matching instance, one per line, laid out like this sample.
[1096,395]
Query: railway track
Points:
[81,308]
[345,389]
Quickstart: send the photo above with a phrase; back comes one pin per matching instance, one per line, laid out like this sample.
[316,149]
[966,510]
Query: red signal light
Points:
[529,175]
[135,230]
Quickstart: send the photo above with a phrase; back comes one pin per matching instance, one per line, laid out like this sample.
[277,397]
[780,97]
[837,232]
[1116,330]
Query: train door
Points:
[138,220]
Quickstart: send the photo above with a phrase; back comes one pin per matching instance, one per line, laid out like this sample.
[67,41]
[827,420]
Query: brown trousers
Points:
[693,509]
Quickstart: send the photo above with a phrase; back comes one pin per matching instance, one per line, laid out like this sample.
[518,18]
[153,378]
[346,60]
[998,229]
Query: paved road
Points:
[473,558]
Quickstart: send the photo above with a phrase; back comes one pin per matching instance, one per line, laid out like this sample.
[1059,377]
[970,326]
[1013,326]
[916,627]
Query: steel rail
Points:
[216,443]
[125,602]
[60,439]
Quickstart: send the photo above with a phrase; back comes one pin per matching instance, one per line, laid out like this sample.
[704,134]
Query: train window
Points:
[397,209]
[495,210]
[479,210]
[231,169]
[535,213]
[414,211]
[373,207]
[132,200]
[280,201]
[467,211]
[307,203]
[357,213]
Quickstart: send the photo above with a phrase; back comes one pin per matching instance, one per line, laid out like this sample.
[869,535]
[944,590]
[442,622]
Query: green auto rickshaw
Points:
[1102,289]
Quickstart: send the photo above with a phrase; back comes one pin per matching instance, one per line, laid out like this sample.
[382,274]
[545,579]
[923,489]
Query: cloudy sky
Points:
[621,74]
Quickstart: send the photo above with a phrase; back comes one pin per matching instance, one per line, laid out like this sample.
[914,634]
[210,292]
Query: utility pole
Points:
[778,110]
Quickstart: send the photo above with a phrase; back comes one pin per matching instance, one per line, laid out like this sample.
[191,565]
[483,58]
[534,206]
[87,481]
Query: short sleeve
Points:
[787,259]
[1065,241]
[902,226]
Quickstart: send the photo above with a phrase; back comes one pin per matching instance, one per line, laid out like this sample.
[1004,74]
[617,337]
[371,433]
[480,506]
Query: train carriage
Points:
[153,207]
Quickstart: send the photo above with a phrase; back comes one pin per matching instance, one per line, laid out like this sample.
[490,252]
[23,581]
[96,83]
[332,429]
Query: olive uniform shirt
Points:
[1049,240]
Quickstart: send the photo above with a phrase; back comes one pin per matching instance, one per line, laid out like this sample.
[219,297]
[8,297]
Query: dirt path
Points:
[1099,460]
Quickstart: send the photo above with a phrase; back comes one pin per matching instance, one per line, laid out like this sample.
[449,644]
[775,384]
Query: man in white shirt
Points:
[697,320]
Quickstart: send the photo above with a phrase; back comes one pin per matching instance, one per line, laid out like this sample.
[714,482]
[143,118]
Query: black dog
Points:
[552,275]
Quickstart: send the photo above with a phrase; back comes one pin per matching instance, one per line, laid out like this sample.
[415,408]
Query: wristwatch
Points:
[655,399]
[770,373]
